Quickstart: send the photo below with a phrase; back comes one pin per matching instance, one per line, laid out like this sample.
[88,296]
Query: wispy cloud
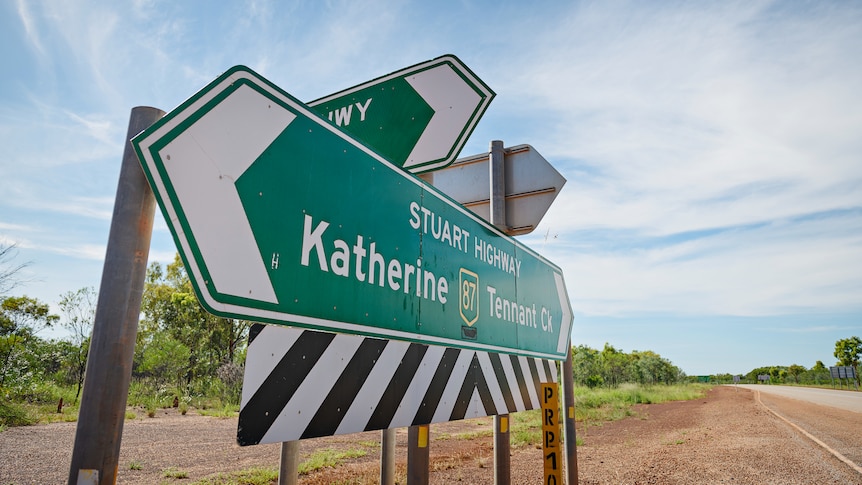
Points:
[29,24]
[81,251]
[693,104]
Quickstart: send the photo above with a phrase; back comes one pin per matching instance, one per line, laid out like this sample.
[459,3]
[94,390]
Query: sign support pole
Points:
[387,456]
[288,466]
[569,417]
[418,454]
[497,168]
[502,460]
[96,450]
[497,175]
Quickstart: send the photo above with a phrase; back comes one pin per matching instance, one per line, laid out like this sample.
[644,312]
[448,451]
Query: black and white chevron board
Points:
[305,384]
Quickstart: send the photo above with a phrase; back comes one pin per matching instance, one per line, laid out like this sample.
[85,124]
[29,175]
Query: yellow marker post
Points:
[551,449]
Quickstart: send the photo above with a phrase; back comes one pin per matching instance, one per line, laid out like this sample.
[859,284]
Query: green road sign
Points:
[282,218]
[419,117]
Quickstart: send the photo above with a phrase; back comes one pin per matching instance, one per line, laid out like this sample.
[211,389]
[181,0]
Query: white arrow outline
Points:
[203,189]
[566,307]
[440,101]
[453,102]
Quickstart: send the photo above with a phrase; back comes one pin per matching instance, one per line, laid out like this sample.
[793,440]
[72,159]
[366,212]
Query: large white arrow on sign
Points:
[453,102]
[207,191]
[442,98]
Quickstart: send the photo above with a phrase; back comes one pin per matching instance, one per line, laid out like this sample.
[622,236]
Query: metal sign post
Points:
[112,347]
[418,439]
[568,381]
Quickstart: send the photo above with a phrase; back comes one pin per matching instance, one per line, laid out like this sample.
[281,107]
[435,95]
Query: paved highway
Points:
[847,400]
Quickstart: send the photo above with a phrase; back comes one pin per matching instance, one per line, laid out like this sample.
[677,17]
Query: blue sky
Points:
[713,150]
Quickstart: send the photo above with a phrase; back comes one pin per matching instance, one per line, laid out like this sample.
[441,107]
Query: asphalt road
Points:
[847,400]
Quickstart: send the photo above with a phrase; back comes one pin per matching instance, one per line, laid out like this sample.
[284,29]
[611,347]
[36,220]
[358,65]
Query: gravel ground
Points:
[725,437]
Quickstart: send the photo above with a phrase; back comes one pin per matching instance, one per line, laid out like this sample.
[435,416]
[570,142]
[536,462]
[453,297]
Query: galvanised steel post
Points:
[288,466]
[387,456]
[569,413]
[497,169]
[96,451]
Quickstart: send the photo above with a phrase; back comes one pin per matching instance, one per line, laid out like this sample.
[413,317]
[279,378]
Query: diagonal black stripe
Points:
[522,384]
[254,331]
[394,393]
[466,392]
[344,391]
[484,391]
[435,389]
[503,382]
[475,379]
[536,381]
[279,386]
[548,374]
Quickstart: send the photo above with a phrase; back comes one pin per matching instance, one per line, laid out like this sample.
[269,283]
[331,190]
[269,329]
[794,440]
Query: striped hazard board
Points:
[305,384]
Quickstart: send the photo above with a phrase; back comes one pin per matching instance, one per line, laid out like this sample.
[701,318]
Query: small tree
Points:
[79,311]
[21,318]
[8,270]
[795,370]
[848,352]
[819,370]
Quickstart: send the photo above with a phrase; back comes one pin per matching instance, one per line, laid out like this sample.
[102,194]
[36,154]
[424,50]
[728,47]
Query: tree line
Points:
[180,350]
[611,367]
[847,352]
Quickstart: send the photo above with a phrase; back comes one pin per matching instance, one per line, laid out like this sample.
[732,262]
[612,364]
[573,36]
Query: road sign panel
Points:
[532,184]
[280,217]
[418,117]
[303,384]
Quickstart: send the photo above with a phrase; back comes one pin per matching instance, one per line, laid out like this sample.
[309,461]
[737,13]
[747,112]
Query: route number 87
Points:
[469,307]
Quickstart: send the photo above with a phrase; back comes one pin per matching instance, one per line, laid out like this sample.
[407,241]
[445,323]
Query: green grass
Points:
[14,414]
[328,458]
[251,476]
[525,428]
[173,472]
[611,404]
[37,403]
[599,405]
[225,411]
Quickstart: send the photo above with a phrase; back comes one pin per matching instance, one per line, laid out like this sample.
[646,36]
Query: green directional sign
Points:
[418,117]
[280,217]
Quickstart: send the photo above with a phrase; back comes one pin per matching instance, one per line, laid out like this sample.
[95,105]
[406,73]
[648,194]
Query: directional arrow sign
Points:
[532,184]
[280,217]
[419,117]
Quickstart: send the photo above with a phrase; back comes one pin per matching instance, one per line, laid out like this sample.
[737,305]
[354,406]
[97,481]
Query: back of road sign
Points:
[531,185]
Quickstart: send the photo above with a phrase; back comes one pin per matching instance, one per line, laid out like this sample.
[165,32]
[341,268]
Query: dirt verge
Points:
[724,437]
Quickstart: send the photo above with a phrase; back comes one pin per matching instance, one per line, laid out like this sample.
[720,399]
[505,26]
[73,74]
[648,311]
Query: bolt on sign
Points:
[281,217]
[551,447]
